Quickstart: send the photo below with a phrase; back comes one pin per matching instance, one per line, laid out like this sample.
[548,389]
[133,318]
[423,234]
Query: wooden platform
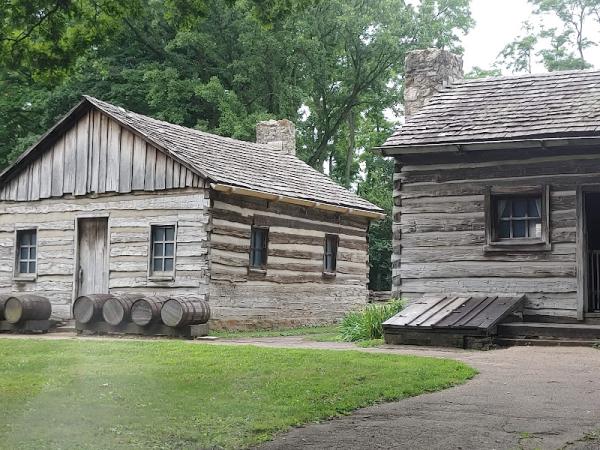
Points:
[188,331]
[540,333]
[453,321]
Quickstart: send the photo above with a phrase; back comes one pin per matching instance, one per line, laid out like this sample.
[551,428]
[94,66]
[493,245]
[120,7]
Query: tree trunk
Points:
[351,147]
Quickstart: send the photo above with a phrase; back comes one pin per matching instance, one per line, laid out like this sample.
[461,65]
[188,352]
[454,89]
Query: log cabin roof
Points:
[510,108]
[222,160]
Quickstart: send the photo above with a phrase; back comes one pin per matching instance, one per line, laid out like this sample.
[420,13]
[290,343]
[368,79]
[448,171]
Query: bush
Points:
[367,323]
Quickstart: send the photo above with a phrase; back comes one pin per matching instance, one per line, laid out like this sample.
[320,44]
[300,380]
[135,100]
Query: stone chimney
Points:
[279,134]
[426,72]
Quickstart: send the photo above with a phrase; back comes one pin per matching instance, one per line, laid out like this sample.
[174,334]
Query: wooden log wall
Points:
[129,219]
[439,225]
[293,291]
[97,155]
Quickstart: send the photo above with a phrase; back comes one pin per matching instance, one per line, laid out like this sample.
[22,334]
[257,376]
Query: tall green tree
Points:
[557,47]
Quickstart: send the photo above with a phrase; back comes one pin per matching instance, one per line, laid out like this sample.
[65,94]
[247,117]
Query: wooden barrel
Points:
[147,310]
[3,299]
[27,307]
[117,310]
[88,308]
[188,311]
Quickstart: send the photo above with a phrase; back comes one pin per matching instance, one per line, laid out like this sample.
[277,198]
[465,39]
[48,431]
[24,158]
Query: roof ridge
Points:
[188,129]
[521,76]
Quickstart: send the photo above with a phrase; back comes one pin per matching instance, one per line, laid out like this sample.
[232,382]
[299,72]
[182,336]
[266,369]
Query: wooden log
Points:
[146,311]
[117,310]
[181,312]
[27,307]
[3,299]
[88,308]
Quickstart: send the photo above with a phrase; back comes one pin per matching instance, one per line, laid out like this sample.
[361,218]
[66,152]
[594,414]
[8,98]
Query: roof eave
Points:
[460,146]
[229,189]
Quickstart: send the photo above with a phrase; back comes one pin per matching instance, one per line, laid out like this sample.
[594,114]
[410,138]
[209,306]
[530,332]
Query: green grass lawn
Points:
[323,333]
[173,394]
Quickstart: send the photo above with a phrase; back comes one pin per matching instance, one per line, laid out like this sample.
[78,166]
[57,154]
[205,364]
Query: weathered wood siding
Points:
[293,291]
[129,219]
[97,155]
[439,225]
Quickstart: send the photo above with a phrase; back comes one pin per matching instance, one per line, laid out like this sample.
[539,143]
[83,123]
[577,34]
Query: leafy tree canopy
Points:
[558,36]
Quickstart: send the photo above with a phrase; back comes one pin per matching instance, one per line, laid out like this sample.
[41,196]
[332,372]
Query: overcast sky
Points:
[498,23]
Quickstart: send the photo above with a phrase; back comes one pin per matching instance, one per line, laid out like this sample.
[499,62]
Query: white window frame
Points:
[17,275]
[161,276]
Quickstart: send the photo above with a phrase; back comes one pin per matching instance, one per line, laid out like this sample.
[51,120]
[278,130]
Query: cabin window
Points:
[330,254]
[259,243]
[26,252]
[517,218]
[163,249]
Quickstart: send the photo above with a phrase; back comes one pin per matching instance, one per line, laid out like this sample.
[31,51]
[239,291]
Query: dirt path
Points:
[523,398]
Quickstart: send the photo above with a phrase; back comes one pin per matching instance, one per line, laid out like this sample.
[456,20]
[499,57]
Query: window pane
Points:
[168,264]
[504,229]
[31,252]
[23,267]
[32,267]
[157,266]
[519,208]
[23,238]
[32,237]
[170,233]
[169,249]
[158,250]
[535,229]
[24,253]
[158,234]
[519,229]
[504,208]
[533,208]
[258,238]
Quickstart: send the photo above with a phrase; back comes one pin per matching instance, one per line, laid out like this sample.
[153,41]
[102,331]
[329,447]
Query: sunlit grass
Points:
[174,394]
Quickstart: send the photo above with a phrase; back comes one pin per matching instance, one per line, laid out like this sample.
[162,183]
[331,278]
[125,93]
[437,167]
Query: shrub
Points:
[367,323]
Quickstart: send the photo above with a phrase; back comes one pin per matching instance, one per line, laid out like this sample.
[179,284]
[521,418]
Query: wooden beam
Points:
[296,201]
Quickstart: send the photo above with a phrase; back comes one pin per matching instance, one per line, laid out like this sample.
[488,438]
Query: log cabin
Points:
[110,201]
[497,193]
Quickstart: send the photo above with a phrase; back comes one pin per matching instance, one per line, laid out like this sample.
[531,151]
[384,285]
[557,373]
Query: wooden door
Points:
[92,275]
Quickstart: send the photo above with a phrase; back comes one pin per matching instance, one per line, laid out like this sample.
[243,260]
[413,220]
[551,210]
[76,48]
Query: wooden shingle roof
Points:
[239,163]
[544,106]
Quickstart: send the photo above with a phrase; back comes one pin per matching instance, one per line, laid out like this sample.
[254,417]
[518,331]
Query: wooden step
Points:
[584,332]
[509,342]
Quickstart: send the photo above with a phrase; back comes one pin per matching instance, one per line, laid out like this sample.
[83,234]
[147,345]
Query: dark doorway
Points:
[592,216]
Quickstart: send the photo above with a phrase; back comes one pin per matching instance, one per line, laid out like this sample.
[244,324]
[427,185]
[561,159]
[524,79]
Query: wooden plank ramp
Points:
[454,320]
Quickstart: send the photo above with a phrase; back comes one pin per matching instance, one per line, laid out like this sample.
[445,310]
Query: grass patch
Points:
[370,343]
[367,324]
[99,394]
[330,331]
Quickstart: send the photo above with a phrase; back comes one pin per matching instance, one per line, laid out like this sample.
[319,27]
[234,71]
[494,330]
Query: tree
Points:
[517,56]
[560,48]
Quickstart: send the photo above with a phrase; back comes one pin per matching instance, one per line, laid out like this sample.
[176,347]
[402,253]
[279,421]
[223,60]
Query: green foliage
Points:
[478,72]
[517,56]
[366,324]
[559,48]
[172,395]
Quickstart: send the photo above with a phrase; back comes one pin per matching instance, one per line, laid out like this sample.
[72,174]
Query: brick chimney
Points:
[279,134]
[426,72]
